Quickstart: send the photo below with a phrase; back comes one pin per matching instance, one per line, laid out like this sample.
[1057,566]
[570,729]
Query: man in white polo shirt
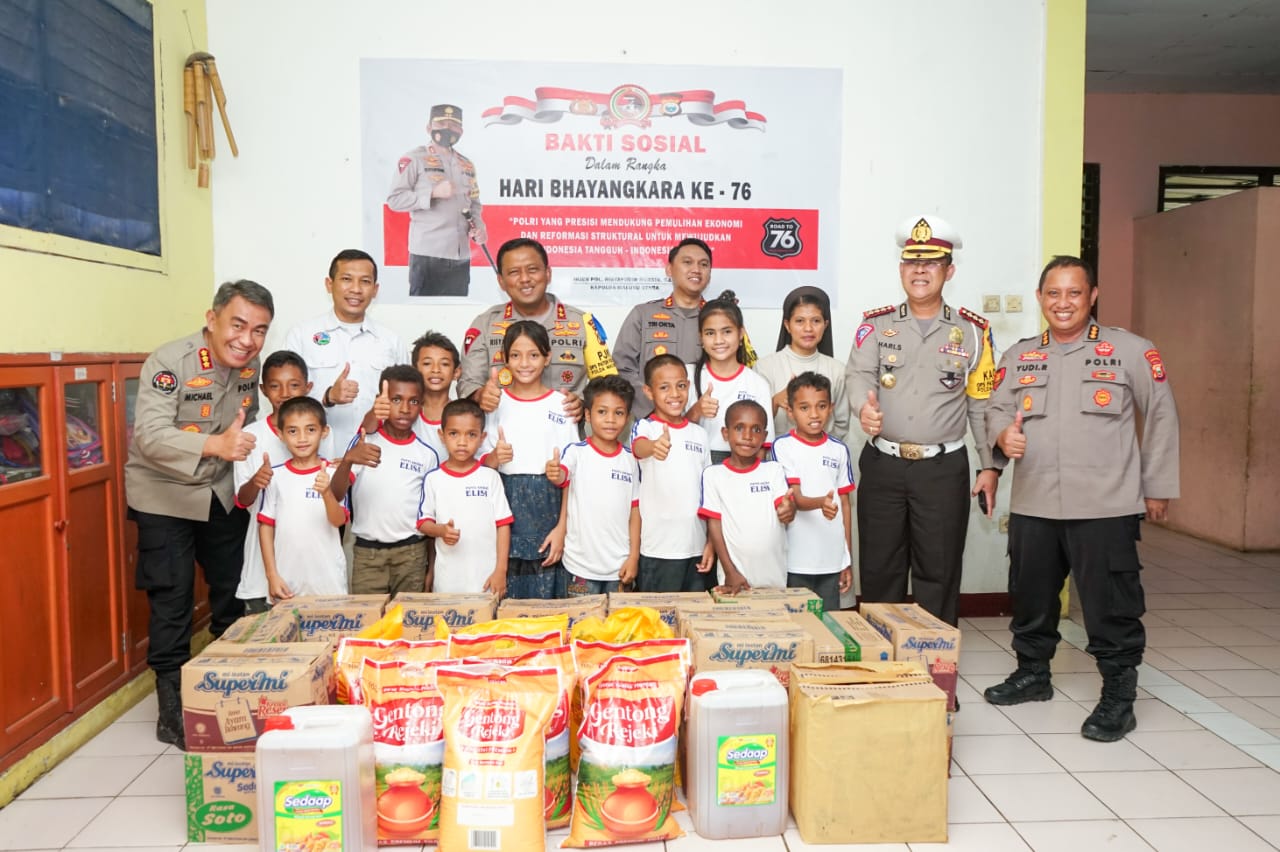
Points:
[344,350]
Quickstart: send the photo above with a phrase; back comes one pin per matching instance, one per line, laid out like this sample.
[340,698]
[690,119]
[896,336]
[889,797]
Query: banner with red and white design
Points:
[608,166]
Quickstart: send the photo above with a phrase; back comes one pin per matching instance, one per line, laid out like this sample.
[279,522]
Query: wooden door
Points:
[33,680]
[94,622]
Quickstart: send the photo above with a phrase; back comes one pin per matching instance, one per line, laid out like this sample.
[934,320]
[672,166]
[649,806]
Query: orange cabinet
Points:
[72,626]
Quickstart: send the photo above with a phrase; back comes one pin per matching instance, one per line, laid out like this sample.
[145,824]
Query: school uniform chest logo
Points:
[320,338]
[762,486]
[694,447]
[557,418]
[620,475]
[476,491]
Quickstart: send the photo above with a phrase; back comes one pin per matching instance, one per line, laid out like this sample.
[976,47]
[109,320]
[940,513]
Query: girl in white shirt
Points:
[528,426]
[722,375]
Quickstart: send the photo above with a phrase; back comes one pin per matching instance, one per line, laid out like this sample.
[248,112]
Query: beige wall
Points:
[1205,294]
[1131,136]
[82,297]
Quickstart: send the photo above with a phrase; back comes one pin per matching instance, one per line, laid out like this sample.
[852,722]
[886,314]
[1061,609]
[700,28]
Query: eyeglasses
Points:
[931,265]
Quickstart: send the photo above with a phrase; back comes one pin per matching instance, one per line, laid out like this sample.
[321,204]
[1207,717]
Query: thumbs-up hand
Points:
[490,393]
[344,390]
[555,471]
[233,444]
[451,533]
[662,446]
[870,416]
[1012,440]
[362,452]
[786,508]
[322,478]
[706,407]
[830,508]
[262,476]
[382,403]
[502,452]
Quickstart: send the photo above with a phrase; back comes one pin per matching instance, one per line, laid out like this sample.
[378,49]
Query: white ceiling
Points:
[1183,46]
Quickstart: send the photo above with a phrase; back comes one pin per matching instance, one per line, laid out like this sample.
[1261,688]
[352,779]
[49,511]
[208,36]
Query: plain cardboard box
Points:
[871,645]
[222,792]
[868,754]
[576,608]
[772,645]
[918,635]
[334,616]
[422,609]
[227,698]
[795,600]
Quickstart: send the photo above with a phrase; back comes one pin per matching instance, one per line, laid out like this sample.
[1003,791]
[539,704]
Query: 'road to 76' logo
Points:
[781,238]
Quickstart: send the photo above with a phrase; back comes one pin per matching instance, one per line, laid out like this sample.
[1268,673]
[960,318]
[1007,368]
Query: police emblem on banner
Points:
[781,238]
[628,105]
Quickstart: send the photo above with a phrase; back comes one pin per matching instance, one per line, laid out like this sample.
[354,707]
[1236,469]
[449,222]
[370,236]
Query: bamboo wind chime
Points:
[201,85]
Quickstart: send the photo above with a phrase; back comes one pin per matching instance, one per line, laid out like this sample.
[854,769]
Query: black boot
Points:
[1113,717]
[169,697]
[1029,682]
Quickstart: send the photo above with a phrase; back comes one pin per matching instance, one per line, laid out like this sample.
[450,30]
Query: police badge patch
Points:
[165,381]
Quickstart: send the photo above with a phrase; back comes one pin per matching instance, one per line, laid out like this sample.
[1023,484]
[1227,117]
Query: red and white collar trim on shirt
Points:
[741,469]
[507,392]
[295,469]
[684,421]
[617,452]
[806,441]
[427,420]
[721,378]
[397,441]
[466,472]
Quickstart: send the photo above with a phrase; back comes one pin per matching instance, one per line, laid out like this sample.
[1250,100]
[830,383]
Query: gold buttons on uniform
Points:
[888,380]
[956,336]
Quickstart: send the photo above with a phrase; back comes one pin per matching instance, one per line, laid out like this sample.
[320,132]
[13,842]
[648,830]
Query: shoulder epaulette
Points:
[463,158]
[977,319]
[879,312]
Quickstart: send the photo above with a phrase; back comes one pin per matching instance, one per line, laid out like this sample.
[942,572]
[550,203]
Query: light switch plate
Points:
[991,304]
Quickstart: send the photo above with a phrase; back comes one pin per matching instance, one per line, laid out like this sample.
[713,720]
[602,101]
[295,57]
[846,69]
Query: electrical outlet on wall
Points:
[991,304]
[1013,304]
[1003,523]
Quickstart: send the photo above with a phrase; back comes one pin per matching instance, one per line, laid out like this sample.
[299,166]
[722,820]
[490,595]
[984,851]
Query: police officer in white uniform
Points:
[917,373]
[1064,410]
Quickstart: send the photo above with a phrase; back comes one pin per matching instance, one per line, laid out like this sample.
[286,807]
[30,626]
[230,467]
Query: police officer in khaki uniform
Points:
[437,187]
[195,396]
[524,274]
[667,325]
[1063,408]
[917,372]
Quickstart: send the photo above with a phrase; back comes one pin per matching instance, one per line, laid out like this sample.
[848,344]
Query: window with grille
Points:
[1183,185]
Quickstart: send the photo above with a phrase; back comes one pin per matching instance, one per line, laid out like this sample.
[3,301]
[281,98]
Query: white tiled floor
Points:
[1199,773]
